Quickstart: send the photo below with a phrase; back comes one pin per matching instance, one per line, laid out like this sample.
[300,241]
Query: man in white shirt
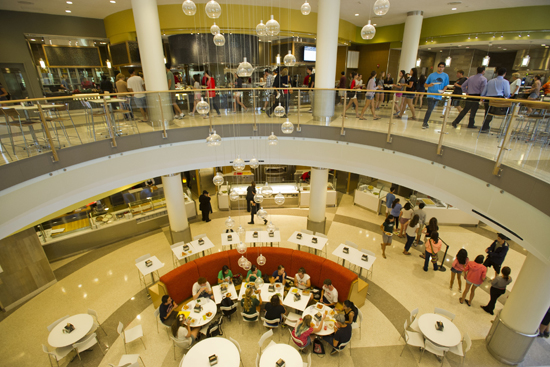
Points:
[202,289]
[136,84]
[329,295]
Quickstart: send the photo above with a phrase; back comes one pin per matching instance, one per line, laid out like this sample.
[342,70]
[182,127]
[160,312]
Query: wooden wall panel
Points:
[372,55]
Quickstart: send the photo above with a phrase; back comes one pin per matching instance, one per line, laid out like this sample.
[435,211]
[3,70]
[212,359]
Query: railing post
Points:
[109,124]
[505,141]
[47,131]
[388,138]
[164,133]
[342,131]
[443,127]
[298,128]
[254,128]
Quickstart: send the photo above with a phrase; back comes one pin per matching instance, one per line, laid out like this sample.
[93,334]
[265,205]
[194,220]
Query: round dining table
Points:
[200,318]
[328,325]
[448,337]
[290,355]
[82,323]
[225,350]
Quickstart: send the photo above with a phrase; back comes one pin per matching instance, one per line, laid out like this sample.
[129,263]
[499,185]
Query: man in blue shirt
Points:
[497,88]
[389,200]
[473,86]
[435,83]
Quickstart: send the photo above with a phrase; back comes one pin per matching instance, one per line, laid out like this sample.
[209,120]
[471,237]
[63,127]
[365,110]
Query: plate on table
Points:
[185,307]
[228,295]
[295,290]
[208,314]
[319,306]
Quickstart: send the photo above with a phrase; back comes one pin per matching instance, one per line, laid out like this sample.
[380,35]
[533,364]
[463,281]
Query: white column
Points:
[318,199]
[411,39]
[175,205]
[328,19]
[146,19]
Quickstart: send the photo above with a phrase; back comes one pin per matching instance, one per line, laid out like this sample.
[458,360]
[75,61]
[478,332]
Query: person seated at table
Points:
[166,314]
[225,275]
[279,275]
[303,330]
[342,334]
[302,280]
[184,332]
[253,273]
[274,310]
[350,311]
[202,289]
[250,303]
[329,294]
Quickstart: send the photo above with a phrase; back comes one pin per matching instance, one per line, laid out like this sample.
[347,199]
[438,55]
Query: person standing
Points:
[410,232]
[387,233]
[534,92]
[268,84]
[496,88]
[285,82]
[353,99]
[496,253]
[421,89]
[544,328]
[396,212]
[135,84]
[64,83]
[390,197]
[250,192]
[172,86]
[457,91]
[380,95]
[473,86]
[515,85]
[408,97]
[86,84]
[369,97]
[238,94]
[404,217]
[421,222]
[197,93]
[106,85]
[437,82]
[498,288]
[211,88]
[311,85]
[475,274]
[433,245]
[400,85]
[545,87]
[277,92]
[122,87]
[205,206]
[342,85]
[388,82]
[460,261]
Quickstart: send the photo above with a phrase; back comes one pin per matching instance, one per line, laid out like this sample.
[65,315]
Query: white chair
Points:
[239,348]
[341,348]
[322,235]
[351,244]
[369,253]
[50,328]
[297,342]
[434,349]
[257,360]
[275,321]
[306,231]
[58,353]
[308,363]
[180,343]
[357,325]
[86,344]
[414,320]
[199,237]
[459,349]
[129,336]
[229,308]
[411,338]
[267,334]
[141,277]
[159,321]
[291,319]
[129,360]
[256,315]
[182,360]
[175,261]
[445,313]
[96,320]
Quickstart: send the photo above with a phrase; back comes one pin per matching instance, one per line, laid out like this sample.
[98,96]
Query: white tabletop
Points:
[207,306]
[306,240]
[33,107]
[224,349]
[354,256]
[328,325]
[249,239]
[218,293]
[82,323]
[449,337]
[264,236]
[289,354]
[265,293]
[234,240]
[157,264]
[110,100]
[298,305]
[194,248]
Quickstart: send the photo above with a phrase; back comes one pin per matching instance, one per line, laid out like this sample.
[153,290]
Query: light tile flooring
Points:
[529,157]
[110,285]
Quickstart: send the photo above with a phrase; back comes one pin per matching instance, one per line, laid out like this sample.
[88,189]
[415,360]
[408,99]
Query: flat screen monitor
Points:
[310,53]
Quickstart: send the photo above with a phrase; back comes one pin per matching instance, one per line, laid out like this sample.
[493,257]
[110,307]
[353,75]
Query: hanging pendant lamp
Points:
[260,29]
[215,29]
[368,31]
[381,7]
[287,127]
[239,165]
[254,163]
[290,59]
[203,107]
[272,139]
[218,179]
[213,9]
[219,40]
[306,8]
[272,27]
[213,140]
[245,69]
[189,7]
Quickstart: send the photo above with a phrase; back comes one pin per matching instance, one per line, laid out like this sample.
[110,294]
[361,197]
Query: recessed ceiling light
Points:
[453,9]
[356,15]
[113,2]
[467,46]
[543,44]
[504,49]
[67,11]
[374,24]
[32,39]
[499,47]
[429,48]
[69,2]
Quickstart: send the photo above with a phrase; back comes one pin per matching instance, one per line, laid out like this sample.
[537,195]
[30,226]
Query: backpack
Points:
[215,328]
[227,302]
[318,347]
[237,279]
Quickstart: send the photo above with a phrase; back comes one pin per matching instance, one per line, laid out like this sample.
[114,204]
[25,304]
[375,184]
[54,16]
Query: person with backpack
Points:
[341,335]
[498,288]
[433,245]
[460,261]
[183,332]
[303,330]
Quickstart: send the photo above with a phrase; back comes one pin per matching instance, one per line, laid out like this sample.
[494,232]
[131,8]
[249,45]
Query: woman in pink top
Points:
[432,247]
[475,275]
[459,263]
[300,334]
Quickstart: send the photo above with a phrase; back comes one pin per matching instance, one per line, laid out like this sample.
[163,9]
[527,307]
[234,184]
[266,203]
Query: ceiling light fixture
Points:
[67,11]
[453,9]
[525,60]
[306,8]
[381,7]
[108,63]
[42,63]
[356,15]
[32,39]
[418,62]
[112,2]
[69,2]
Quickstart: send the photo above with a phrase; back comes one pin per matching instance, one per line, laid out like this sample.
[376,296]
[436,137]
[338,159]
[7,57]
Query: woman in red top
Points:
[211,88]
[475,273]
[353,98]
[303,330]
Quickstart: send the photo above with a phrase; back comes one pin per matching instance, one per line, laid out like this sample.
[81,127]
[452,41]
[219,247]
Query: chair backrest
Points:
[368,252]
[406,325]
[257,360]
[83,343]
[144,257]
[228,308]
[62,107]
[351,244]
[435,347]
[309,360]
[264,337]
[157,313]
[45,349]
[468,342]
[175,245]
[12,112]
[413,314]
[236,344]
[306,231]
[343,345]
[360,315]
[57,322]
[184,344]
[445,313]
[199,236]
[120,328]
[274,321]
[252,315]
[322,235]
[93,313]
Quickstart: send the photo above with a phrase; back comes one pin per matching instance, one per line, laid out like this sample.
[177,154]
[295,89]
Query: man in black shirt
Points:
[250,192]
[311,84]
[165,310]
[342,334]
[457,91]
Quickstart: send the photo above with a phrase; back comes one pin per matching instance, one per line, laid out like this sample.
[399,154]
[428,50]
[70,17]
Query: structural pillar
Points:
[328,20]
[175,205]
[516,326]
[316,221]
[151,52]
[411,39]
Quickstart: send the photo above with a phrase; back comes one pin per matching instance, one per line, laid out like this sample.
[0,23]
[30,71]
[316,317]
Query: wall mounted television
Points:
[310,53]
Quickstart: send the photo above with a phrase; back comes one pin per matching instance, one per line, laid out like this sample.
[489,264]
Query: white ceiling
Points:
[398,10]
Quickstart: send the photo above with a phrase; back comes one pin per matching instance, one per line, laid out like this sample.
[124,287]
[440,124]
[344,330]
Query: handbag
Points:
[434,257]
[318,347]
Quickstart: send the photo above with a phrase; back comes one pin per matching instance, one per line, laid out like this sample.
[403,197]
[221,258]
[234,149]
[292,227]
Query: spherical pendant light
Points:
[381,7]
[254,163]
[262,214]
[241,248]
[241,232]
[258,198]
[270,227]
[215,29]
[229,223]
[219,40]
[244,70]
[290,59]
[260,29]
[368,31]
[306,8]
[213,9]
[242,260]
[189,7]
[247,265]
[279,199]
[259,280]
[213,140]
[279,111]
[267,190]
[202,107]
[272,139]
[218,179]
[272,27]
[233,195]
[238,165]
[287,127]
